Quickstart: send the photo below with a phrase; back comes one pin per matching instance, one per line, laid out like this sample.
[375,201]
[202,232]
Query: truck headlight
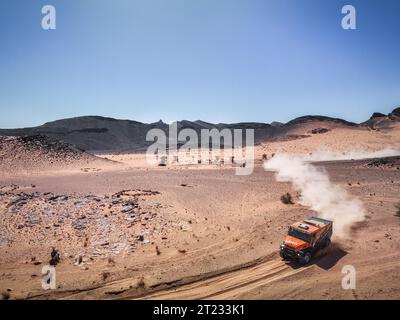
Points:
[282,246]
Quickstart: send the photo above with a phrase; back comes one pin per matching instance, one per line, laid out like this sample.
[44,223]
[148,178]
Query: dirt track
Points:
[231,285]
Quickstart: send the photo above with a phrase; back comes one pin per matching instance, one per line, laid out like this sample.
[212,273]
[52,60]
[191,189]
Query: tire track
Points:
[230,285]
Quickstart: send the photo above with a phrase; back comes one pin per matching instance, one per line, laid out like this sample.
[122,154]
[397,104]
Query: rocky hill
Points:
[101,134]
[38,152]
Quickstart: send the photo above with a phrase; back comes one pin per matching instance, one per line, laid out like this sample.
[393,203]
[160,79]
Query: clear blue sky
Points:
[219,61]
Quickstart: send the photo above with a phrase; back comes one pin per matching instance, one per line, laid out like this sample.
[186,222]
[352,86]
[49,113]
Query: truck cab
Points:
[305,238]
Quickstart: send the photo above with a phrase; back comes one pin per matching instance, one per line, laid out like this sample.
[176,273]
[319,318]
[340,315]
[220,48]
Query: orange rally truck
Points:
[305,238]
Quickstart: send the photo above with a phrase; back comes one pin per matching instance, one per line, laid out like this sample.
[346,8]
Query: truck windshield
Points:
[299,235]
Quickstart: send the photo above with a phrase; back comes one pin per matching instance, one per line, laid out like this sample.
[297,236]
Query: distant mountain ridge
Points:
[102,134]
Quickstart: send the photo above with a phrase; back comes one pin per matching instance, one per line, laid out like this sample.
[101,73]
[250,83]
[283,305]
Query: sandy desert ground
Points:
[126,230]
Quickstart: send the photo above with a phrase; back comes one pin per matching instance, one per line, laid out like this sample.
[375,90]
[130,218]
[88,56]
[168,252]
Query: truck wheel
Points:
[306,259]
[283,255]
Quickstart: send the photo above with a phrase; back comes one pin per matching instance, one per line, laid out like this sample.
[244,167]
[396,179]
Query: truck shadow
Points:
[329,258]
[325,259]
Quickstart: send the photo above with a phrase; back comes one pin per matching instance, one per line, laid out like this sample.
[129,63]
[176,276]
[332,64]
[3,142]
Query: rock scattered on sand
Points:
[319,130]
[98,225]
[384,163]
[127,209]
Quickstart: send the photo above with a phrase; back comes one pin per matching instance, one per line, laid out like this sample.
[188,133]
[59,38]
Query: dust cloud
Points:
[317,192]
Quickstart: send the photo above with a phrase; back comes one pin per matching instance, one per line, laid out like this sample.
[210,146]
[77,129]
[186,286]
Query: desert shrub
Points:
[141,283]
[111,260]
[105,275]
[287,198]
